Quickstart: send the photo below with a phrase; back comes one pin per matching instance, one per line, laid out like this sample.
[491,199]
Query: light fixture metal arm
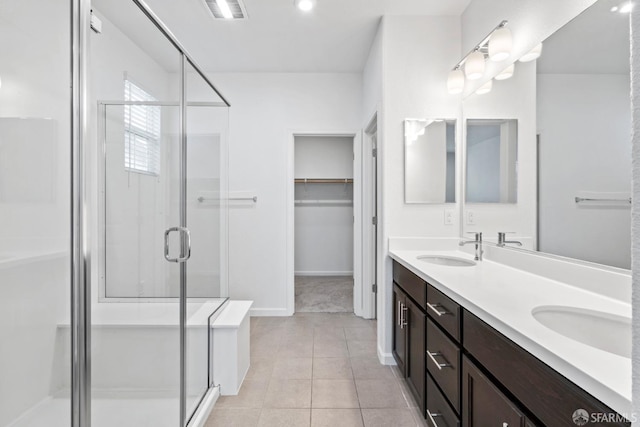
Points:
[482,46]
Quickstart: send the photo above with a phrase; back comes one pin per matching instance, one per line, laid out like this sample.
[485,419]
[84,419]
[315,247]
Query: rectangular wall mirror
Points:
[430,161]
[492,158]
[584,148]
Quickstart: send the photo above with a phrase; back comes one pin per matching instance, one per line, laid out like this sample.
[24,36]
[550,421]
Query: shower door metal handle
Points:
[186,247]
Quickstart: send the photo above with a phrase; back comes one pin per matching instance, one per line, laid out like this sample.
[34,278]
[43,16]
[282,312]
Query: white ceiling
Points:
[595,42]
[335,37]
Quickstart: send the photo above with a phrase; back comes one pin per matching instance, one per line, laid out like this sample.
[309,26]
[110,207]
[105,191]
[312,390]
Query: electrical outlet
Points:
[448,217]
[471,218]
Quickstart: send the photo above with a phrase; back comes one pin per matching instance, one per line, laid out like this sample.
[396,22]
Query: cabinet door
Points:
[415,362]
[399,329]
[483,404]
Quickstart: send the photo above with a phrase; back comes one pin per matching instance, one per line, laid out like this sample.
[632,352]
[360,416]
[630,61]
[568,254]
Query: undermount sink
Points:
[451,261]
[605,331]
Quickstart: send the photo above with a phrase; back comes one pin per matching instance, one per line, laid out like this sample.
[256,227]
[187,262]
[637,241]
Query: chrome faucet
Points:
[502,240]
[477,242]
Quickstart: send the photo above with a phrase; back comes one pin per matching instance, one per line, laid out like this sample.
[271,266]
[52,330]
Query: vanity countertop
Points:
[504,297]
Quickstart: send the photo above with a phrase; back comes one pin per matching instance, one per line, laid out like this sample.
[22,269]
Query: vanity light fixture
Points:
[474,65]
[496,45]
[532,54]
[485,88]
[507,73]
[625,7]
[455,81]
[305,5]
[500,44]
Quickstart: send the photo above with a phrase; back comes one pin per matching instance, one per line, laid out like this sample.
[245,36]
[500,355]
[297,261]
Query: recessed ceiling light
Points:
[305,5]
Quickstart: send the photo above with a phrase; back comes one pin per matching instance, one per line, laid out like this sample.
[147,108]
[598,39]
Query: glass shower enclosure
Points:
[113,203]
[161,129]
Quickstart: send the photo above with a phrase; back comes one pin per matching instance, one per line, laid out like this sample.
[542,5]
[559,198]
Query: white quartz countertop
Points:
[504,297]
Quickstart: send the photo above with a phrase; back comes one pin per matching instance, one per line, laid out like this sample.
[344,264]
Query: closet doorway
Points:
[324,223]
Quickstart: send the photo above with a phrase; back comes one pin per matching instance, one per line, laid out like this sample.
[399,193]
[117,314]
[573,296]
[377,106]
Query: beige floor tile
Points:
[330,348]
[406,392]
[388,418]
[361,348]
[285,418]
[293,369]
[332,368]
[334,394]
[360,334]
[296,349]
[380,394]
[261,368]
[370,368]
[233,417]
[288,394]
[336,418]
[251,395]
[328,333]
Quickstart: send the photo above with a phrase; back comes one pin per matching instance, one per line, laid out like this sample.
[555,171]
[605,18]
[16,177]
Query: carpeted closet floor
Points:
[324,294]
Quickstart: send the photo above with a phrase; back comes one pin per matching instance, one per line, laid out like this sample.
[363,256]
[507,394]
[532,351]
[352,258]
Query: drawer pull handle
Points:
[434,307]
[432,416]
[432,356]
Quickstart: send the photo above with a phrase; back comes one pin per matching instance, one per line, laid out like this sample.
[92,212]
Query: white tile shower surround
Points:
[324,294]
[143,328]
[317,370]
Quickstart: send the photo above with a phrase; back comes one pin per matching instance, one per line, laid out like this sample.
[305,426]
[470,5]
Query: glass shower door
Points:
[206,195]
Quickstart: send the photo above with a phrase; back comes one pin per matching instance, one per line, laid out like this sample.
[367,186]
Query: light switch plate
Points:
[471,218]
[448,217]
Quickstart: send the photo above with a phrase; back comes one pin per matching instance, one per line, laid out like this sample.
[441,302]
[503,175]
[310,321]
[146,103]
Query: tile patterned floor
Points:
[317,370]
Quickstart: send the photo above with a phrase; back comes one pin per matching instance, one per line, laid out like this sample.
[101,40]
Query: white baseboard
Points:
[269,312]
[323,273]
[386,358]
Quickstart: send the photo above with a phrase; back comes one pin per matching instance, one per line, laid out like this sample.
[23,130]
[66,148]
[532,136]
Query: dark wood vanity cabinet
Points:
[484,404]
[409,330]
[399,333]
[463,372]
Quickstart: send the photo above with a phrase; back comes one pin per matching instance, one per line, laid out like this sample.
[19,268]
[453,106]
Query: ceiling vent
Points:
[235,6]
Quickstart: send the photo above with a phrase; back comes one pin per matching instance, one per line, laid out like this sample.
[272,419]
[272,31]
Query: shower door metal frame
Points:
[80,11]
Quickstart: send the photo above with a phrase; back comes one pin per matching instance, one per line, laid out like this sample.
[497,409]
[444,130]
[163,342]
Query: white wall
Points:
[323,232]
[415,64]
[567,123]
[372,79]
[267,109]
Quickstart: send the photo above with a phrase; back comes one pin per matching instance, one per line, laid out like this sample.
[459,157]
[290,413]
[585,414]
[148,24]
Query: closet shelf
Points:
[324,181]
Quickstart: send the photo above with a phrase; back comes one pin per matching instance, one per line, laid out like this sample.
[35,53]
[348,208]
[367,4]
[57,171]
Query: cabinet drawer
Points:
[544,392]
[484,404]
[414,286]
[443,363]
[444,311]
[439,413]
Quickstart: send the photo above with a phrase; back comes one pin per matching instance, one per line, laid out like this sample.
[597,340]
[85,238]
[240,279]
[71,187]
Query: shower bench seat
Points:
[231,353]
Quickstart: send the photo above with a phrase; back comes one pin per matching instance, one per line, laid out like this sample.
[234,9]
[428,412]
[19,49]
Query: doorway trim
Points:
[357,213]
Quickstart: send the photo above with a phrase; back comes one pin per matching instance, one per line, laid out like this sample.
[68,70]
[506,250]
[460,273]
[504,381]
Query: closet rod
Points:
[324,181]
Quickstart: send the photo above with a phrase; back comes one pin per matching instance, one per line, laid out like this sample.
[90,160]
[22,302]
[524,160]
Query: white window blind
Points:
[141,132]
